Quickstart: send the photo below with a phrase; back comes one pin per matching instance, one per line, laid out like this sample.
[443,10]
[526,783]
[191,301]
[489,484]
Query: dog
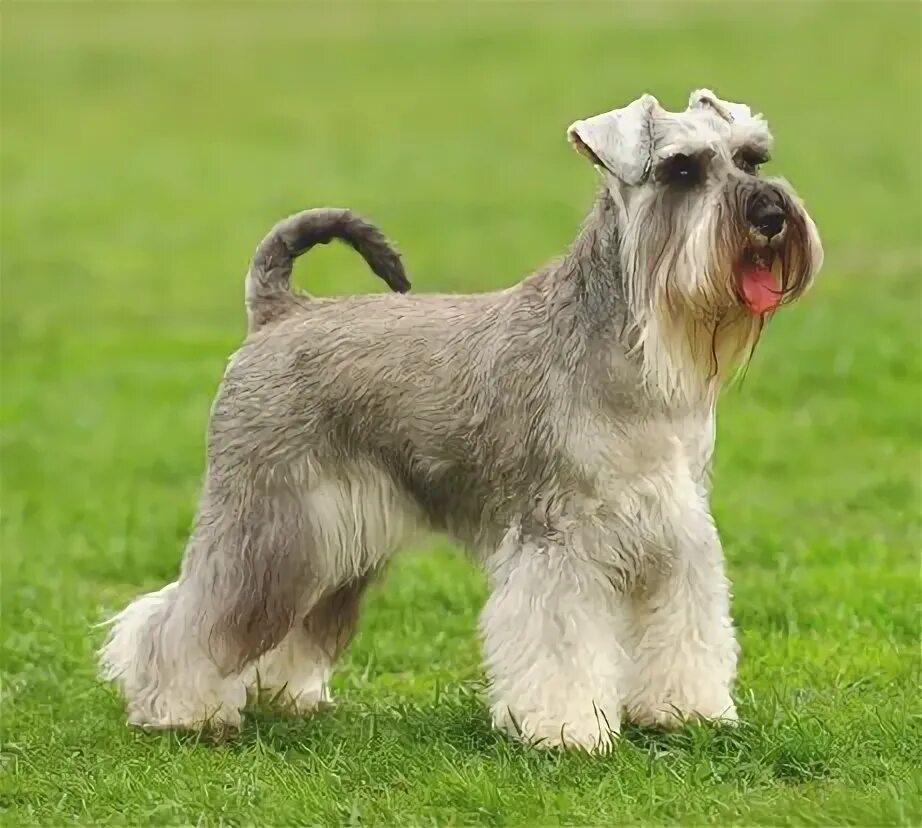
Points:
[561,430]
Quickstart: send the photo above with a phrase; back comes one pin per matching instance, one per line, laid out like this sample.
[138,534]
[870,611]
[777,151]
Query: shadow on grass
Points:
[459,722]
[783,747]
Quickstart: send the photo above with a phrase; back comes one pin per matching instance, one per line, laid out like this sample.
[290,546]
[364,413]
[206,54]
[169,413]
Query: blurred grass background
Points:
[146,148]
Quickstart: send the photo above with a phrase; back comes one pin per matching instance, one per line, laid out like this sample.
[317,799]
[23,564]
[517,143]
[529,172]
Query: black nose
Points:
[766,214]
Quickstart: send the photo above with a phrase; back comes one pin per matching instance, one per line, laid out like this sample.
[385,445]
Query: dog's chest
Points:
[648,457]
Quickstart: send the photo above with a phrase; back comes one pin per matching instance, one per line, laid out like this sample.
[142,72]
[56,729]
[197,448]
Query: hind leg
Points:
[167,677]
[358,520]
[179,655]
[296,674]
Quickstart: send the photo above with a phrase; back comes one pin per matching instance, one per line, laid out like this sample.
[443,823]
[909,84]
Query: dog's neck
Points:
[679,363]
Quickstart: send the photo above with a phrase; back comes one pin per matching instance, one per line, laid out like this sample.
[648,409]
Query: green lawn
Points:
[145,150]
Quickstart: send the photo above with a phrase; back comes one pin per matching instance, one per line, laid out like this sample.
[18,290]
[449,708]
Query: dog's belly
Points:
[358,517]
[453,493]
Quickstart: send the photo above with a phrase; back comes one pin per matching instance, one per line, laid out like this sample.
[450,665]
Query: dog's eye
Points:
[683,170]
[749,162]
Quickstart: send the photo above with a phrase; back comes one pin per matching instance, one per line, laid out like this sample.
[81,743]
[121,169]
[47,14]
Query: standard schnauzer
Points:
[561,430]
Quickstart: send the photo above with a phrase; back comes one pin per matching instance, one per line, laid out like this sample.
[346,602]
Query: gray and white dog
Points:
[561,430]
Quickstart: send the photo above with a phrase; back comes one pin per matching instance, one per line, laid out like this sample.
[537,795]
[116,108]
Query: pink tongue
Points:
[760,287]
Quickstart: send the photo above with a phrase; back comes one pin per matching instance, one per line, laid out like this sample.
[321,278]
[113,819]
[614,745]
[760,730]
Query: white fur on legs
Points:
[551,655]
[154,656]
[684,649]
[295,675]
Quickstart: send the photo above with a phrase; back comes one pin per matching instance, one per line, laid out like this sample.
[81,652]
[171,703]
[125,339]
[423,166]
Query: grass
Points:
[145,150]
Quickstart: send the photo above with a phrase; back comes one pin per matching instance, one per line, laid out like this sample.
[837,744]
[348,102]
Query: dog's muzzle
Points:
[765,212]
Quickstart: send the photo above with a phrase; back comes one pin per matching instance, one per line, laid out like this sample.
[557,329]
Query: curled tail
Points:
[268,282]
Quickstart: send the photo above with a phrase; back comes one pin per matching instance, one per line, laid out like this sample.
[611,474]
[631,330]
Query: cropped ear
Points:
[620,141]
[729,111]
[745,128]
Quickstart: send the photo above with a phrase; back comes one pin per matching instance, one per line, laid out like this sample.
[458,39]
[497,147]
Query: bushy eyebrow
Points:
[753,138]
[700,155]
[755,152]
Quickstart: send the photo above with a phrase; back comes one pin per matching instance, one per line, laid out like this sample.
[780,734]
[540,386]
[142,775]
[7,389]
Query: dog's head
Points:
[706,242]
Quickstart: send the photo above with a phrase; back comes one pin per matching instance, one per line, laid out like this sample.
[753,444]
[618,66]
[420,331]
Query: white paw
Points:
[300,694]
[594,733]
[224,718]
[303,701]
[676,710]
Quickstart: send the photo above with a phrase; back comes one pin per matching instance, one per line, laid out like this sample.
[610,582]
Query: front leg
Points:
[684,647]
[554,666]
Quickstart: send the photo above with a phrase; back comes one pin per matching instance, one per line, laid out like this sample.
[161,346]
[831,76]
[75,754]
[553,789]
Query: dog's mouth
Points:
[758,281]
